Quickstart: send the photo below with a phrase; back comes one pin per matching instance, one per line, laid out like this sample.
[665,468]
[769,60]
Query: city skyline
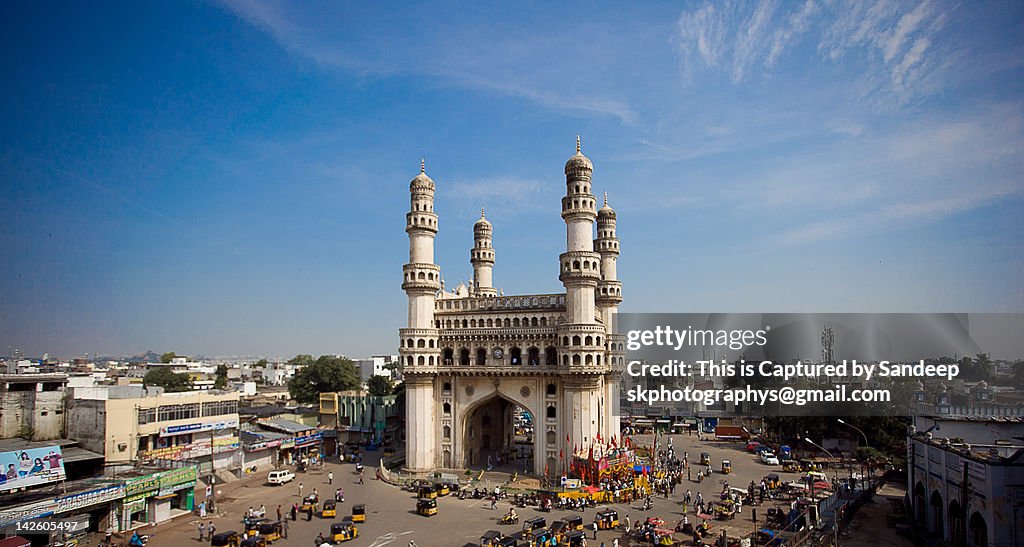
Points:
[232,178]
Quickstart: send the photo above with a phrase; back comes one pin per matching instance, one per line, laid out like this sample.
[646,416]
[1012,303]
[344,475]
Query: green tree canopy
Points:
[222,377]
[379,386]
[168,357]
[326,374]
[167,379]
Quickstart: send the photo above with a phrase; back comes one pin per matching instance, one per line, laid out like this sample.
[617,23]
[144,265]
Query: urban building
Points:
[472,358]
[32,405]
[133,424]
[965,478]
[374,366]
[360,417]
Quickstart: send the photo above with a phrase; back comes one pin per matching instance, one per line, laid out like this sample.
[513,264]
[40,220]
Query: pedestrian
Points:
[361,479]
[279,512]
[109,537]
[330,477]
[412,543]
[494,503]
[315,493]
[595,530]
[210,529]
[615,542]
[627,522]
[202,530]
[309,513]
[284,529]
[300,489]
[295,511]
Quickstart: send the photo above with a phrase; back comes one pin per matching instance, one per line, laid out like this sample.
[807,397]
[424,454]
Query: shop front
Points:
[90,506]
[135,506]
[309,447]
[175,496]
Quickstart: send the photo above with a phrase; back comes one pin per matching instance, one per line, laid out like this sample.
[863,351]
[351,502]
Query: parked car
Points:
[769,458]
[280,476]
[752,445]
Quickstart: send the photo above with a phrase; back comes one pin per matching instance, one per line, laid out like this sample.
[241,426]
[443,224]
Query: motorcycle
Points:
[509,519]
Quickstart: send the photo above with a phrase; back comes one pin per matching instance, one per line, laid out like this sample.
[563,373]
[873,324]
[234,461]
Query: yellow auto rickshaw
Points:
[253,525]
[443,489]
[271,531]
[359,513]
[427,491]
[772,481]
[576,538]
[705,458]
[558,529]
[257,541]
[491,538]
[226,539]
[726,467]
[574,522]
[426,507]
[309,502]
[343,531]
[607,519]
[330,509]
[790,466]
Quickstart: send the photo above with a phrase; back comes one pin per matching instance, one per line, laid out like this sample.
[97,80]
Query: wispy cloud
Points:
[894,39]
[501,195]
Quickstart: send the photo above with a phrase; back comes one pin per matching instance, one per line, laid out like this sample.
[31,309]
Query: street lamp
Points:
[840,420]
[835,511]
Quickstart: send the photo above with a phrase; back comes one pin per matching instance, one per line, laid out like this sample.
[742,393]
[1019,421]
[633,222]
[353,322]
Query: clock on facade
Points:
[498,353]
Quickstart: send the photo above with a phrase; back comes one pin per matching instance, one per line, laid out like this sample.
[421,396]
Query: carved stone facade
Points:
[470,356]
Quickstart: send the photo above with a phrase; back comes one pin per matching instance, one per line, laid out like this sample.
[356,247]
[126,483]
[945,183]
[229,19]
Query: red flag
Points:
[545,469]
[561,454]
[591,455]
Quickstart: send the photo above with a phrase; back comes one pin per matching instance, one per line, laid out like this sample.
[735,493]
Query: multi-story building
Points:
[965,478]
[359,416]
[32,406]
[375,366]
[131,424]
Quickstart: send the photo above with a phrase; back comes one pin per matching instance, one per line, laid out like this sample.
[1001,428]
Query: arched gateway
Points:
[512,380]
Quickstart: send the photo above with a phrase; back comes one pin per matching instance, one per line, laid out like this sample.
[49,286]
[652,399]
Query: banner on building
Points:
[30,467]
[197,427]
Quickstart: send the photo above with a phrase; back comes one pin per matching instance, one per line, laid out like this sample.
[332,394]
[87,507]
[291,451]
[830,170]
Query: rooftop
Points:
[286,426]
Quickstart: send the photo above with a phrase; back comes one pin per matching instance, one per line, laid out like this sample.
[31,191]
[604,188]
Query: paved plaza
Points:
[391,517]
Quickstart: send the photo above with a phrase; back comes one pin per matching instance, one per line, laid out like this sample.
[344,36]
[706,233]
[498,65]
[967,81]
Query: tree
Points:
[379,386]
[167,379]
[168,357]
[222,377]
[327,374]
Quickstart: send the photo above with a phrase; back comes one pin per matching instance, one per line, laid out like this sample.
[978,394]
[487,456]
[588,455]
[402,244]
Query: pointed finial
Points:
[423,165]
[481,211]
[577,143]
[606,198]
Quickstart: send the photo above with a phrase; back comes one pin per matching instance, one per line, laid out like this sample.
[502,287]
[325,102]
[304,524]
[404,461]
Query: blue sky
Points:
[232,178]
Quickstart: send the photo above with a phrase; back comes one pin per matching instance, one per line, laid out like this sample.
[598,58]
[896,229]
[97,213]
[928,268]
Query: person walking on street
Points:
[202,530]
[361,479]
[210,529]
[295,511]
[595,530]
[300,490]
[279,512]
[330,477]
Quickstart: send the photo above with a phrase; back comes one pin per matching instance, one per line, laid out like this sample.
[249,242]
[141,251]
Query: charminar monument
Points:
[474,361]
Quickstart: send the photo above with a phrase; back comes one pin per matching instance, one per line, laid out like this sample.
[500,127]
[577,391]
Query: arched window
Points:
[589,360]
[552,389]
[449,356]
[419,360]
[447,408]
[481,357]
[551,438]
[464,357]
[430,343]
[543,321]
[565,341]
[551,356]
[565,360]
[551,412]
[447,386]
[533,357]
[589,341]
[447,431]
[515,322]
[421,343]
[576,360]
[516,356]
[576,340]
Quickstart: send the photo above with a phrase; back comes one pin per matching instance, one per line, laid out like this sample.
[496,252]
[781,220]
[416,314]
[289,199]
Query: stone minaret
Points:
[609,289]
[609,296]
[482,258]
[581,338]
[419,349]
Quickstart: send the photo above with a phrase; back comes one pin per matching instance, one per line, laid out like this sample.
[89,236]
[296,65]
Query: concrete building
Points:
[32,406]
[130,424]
[358,416]
[472,358]
[965,480]
[374,366]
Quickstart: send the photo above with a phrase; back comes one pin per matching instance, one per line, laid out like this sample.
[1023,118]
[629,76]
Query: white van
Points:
[280,476]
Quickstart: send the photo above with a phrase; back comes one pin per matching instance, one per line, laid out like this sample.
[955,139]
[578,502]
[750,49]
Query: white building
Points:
[374,366]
